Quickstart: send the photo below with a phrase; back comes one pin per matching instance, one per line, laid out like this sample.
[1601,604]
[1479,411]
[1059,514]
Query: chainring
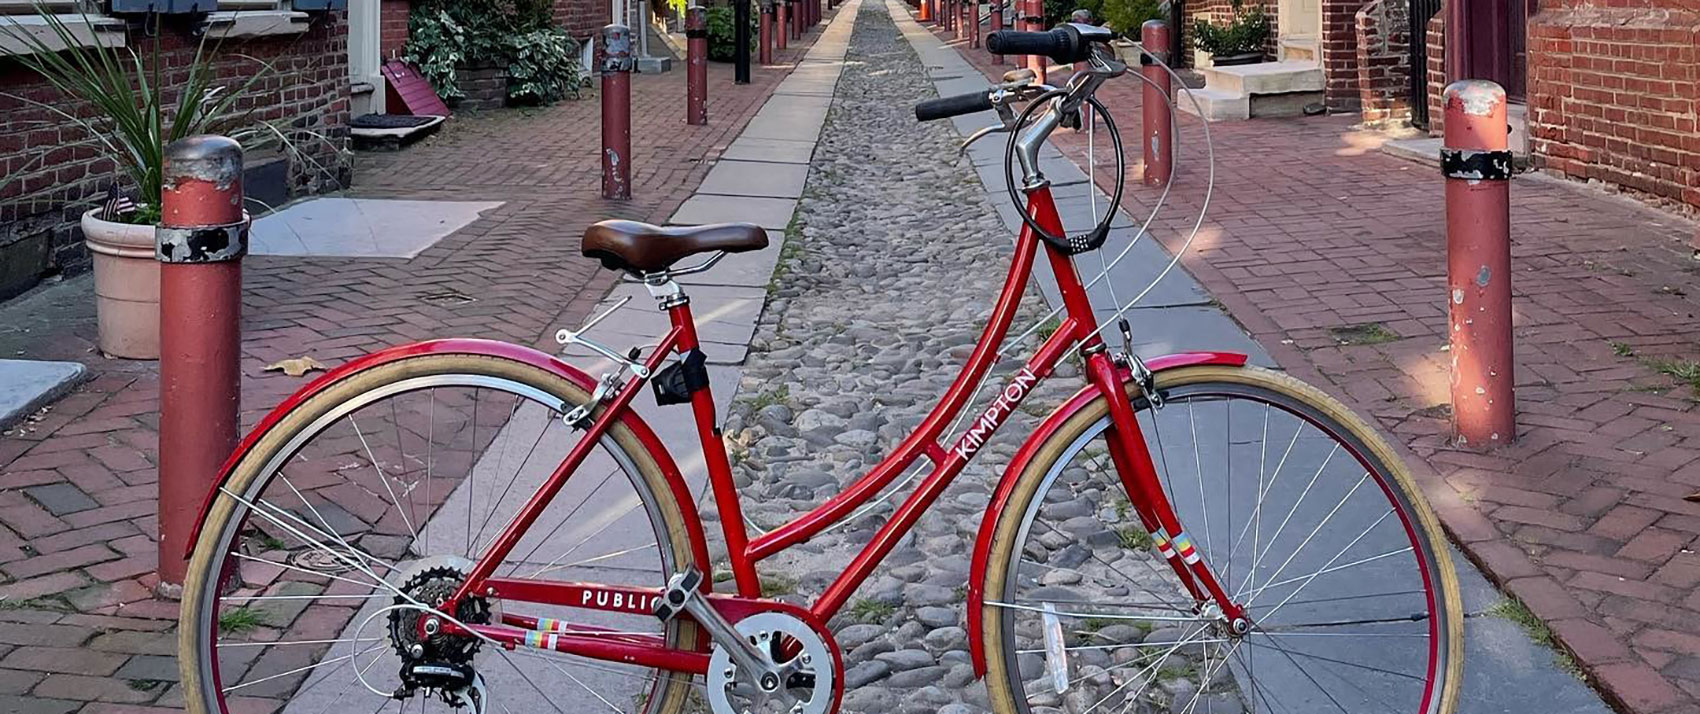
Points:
[812,689]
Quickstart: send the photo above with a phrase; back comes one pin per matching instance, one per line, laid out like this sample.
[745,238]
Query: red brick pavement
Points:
[79,630]
[1312,228]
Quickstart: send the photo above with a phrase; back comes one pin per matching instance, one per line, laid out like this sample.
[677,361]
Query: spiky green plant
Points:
[136,113]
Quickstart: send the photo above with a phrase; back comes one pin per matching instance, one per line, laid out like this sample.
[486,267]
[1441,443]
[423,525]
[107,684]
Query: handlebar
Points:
[947,107]
[1064,45]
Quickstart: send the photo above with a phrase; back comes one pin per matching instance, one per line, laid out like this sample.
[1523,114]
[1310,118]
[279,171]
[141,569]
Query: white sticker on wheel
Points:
[1056,657]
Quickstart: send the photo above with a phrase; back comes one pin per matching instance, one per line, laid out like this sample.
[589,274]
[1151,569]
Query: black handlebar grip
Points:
[947,107]
[1063,45]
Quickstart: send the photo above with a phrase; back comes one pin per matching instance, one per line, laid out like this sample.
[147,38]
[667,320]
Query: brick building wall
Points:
[50,171]
[1384,61]
[583,18]
[1338,53]
[1614,91]
[392,27]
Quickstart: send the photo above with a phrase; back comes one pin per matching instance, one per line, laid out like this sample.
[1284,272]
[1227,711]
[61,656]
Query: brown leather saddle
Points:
[642,248]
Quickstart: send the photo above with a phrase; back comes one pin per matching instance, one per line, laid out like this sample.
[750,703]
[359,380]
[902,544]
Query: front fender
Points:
[488,348]
[1018,465]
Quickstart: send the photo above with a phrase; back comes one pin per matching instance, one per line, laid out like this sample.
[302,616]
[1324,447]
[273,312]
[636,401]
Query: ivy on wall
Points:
[541,59]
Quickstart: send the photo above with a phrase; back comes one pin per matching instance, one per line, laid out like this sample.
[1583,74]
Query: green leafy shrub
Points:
[1125,16]
[1247,32]
[722,39]
[543,67]
[541,59]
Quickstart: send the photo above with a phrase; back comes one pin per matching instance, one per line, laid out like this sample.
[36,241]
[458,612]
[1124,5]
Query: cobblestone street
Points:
[890,267]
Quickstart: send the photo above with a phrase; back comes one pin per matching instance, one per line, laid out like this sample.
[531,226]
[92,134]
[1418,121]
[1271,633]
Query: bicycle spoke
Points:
[383,477]
[298,670]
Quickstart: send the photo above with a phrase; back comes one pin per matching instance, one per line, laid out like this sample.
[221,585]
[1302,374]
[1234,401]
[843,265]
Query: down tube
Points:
[979,432]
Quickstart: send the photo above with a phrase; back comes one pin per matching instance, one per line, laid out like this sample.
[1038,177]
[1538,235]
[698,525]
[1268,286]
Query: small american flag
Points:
[117,205]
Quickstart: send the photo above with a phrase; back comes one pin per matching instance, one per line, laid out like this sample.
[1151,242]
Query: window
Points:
[23,29]
[254,18]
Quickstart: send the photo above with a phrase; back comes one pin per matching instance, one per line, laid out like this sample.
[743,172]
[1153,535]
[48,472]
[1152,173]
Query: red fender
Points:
[488,348]
[1018,465]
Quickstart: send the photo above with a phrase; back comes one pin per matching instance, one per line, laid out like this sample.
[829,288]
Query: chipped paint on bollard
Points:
[696,65]
[617,65]
[1476,160]
[1156,116]
[199,243]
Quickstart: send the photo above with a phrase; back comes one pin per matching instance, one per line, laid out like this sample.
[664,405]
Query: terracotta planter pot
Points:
[126,286]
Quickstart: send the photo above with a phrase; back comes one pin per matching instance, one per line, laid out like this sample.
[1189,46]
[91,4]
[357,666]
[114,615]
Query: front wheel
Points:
[1304,515]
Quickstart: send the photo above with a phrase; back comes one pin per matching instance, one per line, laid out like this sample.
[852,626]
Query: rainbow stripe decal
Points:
[550,624]
[1162,539]
[541,640]
[1183,545]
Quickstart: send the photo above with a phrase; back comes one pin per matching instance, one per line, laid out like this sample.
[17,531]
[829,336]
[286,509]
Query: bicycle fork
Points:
[1132,458]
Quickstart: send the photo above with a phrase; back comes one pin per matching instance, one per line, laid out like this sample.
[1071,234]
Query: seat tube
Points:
[714,456]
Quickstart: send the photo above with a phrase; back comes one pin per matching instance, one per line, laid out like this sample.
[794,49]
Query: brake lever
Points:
[1019,87]
[1004,113]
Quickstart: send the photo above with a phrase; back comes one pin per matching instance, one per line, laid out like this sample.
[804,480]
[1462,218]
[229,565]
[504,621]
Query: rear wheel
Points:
[373,498]
[1303,514]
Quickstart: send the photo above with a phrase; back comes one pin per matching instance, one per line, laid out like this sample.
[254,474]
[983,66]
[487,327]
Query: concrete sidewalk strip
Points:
[770,150]
[701,209]
[755,178]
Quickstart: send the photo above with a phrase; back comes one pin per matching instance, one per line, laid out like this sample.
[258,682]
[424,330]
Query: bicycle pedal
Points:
[681,589]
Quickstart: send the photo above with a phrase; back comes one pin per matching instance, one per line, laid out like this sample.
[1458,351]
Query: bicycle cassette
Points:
[804,681]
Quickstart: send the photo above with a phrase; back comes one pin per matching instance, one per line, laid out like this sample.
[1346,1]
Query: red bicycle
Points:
[1187,533]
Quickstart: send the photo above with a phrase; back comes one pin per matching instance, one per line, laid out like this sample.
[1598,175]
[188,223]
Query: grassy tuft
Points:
[239,620]
[871,610]
[1537,630]
[1369,333]
[1134,538]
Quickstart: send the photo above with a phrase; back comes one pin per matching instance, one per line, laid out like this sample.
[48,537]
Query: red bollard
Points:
[616,112]
[962,30]
[973,23]
[200,241]
[696,65]
[926,11]
[782,23]
[765,46]
[1476,160]
[1157,121]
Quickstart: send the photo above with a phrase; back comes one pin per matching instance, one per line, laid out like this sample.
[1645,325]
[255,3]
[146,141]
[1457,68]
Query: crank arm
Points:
[682,595]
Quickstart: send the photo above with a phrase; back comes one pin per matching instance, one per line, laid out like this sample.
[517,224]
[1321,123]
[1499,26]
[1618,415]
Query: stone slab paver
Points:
[755,178]
[27,385]
[328,226]
[770,150]
[1311,229]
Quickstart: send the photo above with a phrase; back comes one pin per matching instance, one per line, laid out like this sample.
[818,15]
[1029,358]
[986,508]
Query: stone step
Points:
[1266,78]
[1216,105]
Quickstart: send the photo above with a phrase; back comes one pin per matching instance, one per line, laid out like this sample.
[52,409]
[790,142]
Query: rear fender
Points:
[488,348]
[1024,457]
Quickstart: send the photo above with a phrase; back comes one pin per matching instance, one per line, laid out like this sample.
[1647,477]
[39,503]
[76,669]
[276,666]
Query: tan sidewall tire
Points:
[203,565]
[998,684]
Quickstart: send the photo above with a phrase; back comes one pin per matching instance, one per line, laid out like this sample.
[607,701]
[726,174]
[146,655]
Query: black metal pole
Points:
[741,36]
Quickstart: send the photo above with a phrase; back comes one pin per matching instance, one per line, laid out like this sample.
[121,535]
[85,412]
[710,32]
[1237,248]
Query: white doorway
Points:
[1300,25]
[364,58]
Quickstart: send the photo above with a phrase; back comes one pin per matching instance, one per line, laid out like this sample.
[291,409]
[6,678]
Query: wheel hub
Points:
[799,676]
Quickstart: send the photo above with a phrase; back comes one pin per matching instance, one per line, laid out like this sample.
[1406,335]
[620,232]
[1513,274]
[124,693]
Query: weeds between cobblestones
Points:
[891,264]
